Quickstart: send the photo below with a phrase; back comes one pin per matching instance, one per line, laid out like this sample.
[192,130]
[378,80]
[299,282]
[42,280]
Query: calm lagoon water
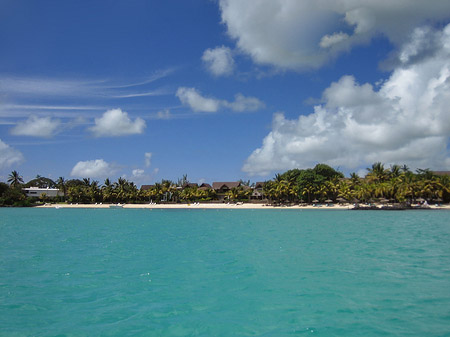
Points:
[79,272]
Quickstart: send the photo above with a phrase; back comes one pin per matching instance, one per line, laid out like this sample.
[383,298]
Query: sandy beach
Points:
[213,206]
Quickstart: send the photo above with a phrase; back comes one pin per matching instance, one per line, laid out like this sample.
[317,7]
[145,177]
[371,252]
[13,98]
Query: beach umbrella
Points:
[315,201]
[328,201]
[439,200]
[383,200]
[420,199]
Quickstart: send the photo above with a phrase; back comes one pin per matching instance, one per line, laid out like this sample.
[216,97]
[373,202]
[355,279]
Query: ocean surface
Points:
[137,272]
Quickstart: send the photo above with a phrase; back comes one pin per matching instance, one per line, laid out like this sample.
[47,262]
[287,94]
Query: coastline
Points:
[213,206]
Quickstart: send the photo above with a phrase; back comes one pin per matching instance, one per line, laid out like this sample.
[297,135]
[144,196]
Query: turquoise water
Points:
[72,272]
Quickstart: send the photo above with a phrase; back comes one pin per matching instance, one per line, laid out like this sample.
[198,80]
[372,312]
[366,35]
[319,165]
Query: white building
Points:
[37,191]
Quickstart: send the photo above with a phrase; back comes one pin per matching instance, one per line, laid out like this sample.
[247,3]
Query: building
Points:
[258,193]
[37,192]
[222,188]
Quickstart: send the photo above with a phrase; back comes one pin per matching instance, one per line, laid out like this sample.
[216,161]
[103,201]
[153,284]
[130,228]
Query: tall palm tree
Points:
[377,173]
[396,170]
[61,184]
[15,179]
[405,169]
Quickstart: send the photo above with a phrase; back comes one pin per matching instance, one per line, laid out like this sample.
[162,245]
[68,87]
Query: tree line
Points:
[313,185]
[322,183]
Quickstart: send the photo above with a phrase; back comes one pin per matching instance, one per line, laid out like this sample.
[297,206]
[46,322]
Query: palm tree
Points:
[15,179]
[377,173]
[396,170]
[405,169]
[308,190]
[61,184]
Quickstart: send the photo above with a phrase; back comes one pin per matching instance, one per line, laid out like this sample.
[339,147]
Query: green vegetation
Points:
[324,184]
[319,184]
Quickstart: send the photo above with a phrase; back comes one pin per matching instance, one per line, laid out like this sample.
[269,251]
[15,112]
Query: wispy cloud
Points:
[49,107]
[43,97]
[158,92]
[15,87]
[156,76]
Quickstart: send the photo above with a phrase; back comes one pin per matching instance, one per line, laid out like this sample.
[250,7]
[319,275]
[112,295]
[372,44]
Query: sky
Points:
[221,90]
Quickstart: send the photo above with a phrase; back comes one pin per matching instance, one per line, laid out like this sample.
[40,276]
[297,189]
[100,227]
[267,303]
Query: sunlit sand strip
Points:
[210,206]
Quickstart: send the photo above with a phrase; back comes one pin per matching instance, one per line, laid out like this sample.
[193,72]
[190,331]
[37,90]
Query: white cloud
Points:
[9,156]
[406,121]
[148,158]
[242,103]
[137,173]
[198,103]
[193,98]
[93,169]
[66,87]
[115,123]
[164,114]
[219,61]
[329,40]
[293,34]
[37,127]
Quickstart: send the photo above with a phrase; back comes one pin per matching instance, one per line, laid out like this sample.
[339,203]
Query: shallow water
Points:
[78,272]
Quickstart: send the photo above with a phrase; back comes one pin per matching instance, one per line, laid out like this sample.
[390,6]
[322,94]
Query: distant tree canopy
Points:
[323,183]
[319,184]
[41,182]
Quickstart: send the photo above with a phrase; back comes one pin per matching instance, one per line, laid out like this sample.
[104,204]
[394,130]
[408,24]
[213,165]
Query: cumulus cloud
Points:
[198,103]
[242,103]
[405,121]
[97,168]
[115,123]
[294,34]
[219,61]
[148,158]
[37,127]
[9,156]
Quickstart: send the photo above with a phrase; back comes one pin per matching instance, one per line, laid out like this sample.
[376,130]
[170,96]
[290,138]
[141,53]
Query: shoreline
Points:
[215,206]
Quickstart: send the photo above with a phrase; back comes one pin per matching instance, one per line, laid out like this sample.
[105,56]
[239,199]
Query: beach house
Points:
[38,191]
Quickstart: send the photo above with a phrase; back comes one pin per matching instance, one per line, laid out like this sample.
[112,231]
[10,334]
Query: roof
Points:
[205,186]
[229,184]
[259,184]
[189,185]
[146,187]
[39,189]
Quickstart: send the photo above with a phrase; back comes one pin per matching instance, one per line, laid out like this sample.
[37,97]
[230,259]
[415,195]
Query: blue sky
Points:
[221,90]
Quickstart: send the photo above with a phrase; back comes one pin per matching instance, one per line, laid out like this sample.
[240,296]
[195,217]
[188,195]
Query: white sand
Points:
[210,206]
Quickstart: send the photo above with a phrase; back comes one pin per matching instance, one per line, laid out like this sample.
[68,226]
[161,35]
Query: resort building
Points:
[205,186]
[222,188]
[37,192]
[258,193]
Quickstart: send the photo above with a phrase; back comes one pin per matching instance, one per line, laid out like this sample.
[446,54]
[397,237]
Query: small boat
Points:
[116,206]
